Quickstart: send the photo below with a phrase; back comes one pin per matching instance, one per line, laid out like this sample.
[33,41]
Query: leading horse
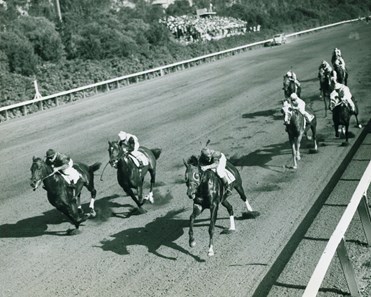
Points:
[296,128]
[129,176]
[60,194]
[207,191]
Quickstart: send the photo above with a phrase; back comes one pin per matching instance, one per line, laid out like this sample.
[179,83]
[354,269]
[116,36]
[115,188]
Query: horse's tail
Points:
[156,152]
[94,167]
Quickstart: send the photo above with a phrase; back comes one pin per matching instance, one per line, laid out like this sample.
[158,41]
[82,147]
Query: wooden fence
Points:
[336,242]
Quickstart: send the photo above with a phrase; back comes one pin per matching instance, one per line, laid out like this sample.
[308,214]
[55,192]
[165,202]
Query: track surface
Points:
[236,104]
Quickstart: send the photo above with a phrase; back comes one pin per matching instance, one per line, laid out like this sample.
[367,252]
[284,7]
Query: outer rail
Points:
[336,241]
[155,72]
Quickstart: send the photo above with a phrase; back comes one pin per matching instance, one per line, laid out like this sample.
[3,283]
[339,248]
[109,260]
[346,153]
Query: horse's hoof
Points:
[250,215]
[141,210]
[359,126]
[92,213]
[149,197]
[192,243]
[228,231]
[73,231]
[210,253]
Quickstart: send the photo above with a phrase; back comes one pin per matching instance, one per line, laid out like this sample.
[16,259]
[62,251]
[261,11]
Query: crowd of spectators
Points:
[188,29]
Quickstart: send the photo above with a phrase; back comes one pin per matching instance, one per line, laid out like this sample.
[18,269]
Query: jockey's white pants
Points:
[220,170]
[71,173]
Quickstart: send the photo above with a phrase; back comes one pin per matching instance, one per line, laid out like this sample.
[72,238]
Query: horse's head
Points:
[115,153]
[39,170]
[192,176]
[286,111]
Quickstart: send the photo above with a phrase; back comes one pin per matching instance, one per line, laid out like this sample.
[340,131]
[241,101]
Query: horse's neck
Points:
[126,165]
[297,119]
[53,182]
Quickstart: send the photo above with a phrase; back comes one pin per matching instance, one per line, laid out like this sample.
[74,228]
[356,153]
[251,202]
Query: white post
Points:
[37,93]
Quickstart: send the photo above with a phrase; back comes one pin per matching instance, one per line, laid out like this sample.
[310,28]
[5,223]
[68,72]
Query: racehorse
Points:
[341,74]
[296,128]
[207,191]
[290,87]
[341,115]
[325,87]
[60,194]
[129,176]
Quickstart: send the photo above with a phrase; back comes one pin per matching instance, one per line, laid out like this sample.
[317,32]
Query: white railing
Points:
[159,71]
[336,241]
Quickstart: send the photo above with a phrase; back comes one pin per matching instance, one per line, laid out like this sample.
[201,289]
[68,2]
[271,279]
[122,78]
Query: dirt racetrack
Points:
[235,103]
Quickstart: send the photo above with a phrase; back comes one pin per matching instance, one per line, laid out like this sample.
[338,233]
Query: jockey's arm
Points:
[61,163]
[214,165]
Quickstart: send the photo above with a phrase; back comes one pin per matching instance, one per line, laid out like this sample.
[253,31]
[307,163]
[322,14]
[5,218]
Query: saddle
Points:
[139,159]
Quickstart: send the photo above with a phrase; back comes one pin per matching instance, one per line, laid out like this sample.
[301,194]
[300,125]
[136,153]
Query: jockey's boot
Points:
[73,187]
[309,117]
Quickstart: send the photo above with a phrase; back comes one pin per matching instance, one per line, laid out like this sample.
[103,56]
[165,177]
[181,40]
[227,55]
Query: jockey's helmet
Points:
[206,152]
[122,135]
[323,63]
[50,154]
[294,96]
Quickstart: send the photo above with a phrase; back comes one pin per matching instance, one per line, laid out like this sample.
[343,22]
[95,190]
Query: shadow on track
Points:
[35,226]
[163,231]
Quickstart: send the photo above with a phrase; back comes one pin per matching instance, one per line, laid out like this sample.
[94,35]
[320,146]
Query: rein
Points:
[101,176]
[44,178]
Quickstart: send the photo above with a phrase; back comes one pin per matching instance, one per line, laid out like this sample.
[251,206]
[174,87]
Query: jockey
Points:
[299,104]
[292,76]
[63,163]
[342,93]
[130,143]
[337,59]
[211,159]
[325,68]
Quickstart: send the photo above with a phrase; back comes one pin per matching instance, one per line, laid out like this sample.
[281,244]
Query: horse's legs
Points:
[213,212]
[229,208]
[130,192]
[197,209]
[93,193]
[152,172]
[293,150]
[241,192]
[313,127]
[297,143]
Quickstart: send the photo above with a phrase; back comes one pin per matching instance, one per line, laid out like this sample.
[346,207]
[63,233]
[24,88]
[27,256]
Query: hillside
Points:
[101,39]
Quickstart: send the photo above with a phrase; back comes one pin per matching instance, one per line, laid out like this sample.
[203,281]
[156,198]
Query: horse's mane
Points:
[193,160]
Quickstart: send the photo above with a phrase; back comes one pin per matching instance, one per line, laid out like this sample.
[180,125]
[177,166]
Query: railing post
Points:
[24,110]
[41,105]
[56,101]
[348,270]
[365,216]
[161,72]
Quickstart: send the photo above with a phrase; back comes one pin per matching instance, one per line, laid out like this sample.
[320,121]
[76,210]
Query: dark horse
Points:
[296,128]
[289,87]
[341,74]
[60,194]
[207,191]
[129,176]
[325,87]
[341,115]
